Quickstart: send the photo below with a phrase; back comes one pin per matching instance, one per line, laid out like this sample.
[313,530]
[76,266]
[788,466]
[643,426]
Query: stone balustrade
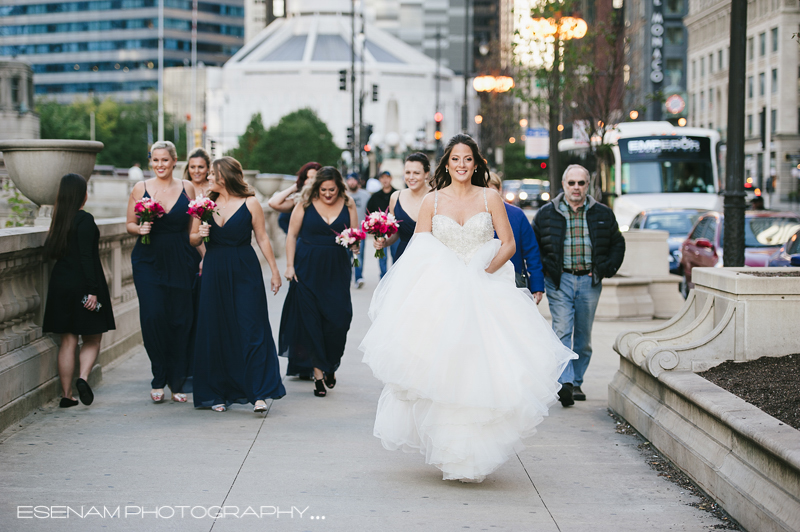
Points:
[28,358]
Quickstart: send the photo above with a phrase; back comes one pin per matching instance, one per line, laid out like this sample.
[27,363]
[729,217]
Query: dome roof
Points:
[321,40]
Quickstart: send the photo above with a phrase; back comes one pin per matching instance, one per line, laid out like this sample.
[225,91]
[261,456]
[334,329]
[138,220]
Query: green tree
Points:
[296,139]
[248,141]
[120,126]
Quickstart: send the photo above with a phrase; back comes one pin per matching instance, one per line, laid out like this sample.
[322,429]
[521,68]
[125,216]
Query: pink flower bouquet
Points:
[350,237]
[380,225]
[203,209]
[148,210]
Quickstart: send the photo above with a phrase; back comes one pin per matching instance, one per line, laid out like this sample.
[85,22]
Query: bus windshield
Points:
[648,177]
[666,163]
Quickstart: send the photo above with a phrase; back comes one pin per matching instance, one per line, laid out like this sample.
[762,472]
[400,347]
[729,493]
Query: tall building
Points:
[111,47]
[772,106]
[431,26]
[656,58]
[259,14]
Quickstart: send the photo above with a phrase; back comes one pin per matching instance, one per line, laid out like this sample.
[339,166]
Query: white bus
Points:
[656,165]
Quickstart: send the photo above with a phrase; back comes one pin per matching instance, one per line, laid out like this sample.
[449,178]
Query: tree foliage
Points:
[120,126]
[296,139]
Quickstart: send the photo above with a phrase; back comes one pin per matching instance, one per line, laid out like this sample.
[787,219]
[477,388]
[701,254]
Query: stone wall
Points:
[28,358]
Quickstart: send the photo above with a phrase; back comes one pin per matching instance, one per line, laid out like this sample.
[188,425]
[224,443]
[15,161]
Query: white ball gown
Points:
[469,364]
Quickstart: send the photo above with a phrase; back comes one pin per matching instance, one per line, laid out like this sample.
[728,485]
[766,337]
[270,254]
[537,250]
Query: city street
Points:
[125,463]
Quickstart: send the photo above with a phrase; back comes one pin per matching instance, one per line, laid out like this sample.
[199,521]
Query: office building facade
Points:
[772,105]
[110,47]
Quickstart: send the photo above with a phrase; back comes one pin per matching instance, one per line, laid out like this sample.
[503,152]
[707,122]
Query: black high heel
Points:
[330,380]
[319,389]
[67,402]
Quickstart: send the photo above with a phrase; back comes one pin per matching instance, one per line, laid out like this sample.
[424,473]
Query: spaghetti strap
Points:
[435,201]
[485,203]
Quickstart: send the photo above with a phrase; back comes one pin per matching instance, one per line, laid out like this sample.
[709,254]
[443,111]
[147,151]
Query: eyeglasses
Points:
[573,183]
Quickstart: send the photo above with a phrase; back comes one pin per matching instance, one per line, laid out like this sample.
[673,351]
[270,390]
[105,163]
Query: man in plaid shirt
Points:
[580,244]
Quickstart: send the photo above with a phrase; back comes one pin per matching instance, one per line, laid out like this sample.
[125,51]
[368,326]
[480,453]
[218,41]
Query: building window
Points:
[694,71]
[762,44]
[674,71]
[694,107]
[774,83]
[674,35]
[702,67]
[750,49]
[750,87]
[702,100]
[761,82]
[749,125]
[710,100]
[710,63]
[719,56]
[773,121]
[15,94]
[674,7]
[774,32]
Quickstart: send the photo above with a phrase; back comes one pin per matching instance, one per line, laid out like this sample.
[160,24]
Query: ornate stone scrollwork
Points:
[662,360]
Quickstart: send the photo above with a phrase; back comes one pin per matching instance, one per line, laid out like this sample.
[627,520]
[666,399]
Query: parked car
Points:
[788,254]
[677,222]
[764,233]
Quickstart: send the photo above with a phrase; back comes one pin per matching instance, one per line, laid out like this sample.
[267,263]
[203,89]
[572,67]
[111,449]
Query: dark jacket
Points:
[608,245]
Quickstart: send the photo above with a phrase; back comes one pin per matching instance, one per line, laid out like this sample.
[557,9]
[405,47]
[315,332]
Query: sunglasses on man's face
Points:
[573,183]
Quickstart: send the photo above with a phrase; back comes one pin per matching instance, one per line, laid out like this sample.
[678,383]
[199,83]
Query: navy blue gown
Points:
[317,310]
[235,357]
[163,273]
[406,229]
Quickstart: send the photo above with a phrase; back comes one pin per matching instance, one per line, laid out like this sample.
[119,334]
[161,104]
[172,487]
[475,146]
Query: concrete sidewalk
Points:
[316,462]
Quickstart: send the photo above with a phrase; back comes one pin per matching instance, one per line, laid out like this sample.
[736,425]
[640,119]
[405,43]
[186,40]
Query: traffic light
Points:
[351,137]
[213,146]
[374,93]
[343,80]
[198,138]
[366,133]
[438,119]
[543,165]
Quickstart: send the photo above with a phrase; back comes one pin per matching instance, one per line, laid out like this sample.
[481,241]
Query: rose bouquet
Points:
[148,210]
[350,237]
[380,224]
[203,209]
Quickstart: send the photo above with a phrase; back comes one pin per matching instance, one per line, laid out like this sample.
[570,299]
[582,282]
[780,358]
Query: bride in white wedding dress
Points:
[470,366]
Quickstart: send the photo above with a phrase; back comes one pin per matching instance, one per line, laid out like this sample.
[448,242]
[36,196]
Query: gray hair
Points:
[165,145]
[578,167]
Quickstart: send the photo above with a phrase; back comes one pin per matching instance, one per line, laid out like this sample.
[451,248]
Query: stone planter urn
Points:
[269,184]
[37,165]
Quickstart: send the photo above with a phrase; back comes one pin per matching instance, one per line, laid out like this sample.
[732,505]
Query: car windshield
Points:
[676,223]
[530,187]
[648,177]
[765,232]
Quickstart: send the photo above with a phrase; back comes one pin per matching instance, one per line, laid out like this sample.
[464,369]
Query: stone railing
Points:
[28,358]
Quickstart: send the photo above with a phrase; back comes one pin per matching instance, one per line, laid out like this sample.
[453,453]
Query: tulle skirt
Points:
[470,366]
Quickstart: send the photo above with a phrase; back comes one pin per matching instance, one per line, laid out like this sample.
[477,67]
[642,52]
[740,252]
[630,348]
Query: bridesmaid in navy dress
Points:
[235,357]
[163,273]
[317,311]
[405,204]
[285,200]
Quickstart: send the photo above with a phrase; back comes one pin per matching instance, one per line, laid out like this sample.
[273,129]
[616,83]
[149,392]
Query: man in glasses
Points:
[580,244]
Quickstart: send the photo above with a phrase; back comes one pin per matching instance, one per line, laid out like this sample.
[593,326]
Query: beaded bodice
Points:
[463,240]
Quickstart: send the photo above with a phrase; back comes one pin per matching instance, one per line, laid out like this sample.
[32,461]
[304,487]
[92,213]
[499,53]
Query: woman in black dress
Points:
[285,200]
[163,272]
[235,357]
[317,311]
[405,204]
[78,302]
